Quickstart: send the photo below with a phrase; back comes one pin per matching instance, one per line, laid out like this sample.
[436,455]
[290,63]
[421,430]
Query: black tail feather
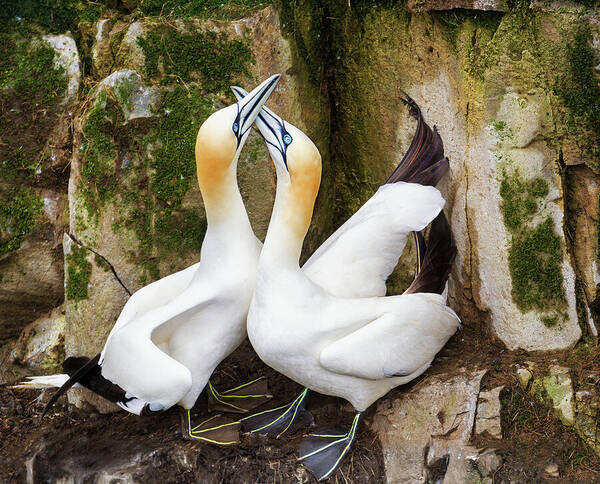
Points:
[75,377]
[437,260]
[421,249]
[88,374]
[425,152]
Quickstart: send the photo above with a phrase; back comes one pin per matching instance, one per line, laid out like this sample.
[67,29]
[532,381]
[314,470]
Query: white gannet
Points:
[173,333]
[329,326]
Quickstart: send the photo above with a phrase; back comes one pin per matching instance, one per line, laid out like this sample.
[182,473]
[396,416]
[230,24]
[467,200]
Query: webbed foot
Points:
[321,453]
[278,421]
[240,399]
[216,430]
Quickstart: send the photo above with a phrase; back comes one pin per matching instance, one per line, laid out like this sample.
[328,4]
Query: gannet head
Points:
[223,134]
[297,161]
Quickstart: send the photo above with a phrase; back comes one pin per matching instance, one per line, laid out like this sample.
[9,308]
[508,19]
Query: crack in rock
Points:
[112,269]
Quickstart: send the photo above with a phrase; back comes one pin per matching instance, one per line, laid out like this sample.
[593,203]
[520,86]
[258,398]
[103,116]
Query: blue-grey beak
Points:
[250,104]
[272,128]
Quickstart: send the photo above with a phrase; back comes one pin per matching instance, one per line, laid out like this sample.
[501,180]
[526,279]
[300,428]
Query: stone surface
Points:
[493,105]
[137,100]
[552,470]
[68,58]
[488,413]
[434,419]
[89,319]
[585,193]
[557,389]
[588,411]
[427,5]
[39,349]
[102,58]
[524,376]
[34,155]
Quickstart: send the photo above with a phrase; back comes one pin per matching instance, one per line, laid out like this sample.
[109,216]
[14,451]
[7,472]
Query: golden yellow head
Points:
[222,136]
[298,164]
[216,147]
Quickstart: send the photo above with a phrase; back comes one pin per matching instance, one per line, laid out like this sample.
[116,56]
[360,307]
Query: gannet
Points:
[173,333]
[329,326]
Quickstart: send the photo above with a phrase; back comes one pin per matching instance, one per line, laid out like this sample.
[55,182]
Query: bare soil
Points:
[70,440]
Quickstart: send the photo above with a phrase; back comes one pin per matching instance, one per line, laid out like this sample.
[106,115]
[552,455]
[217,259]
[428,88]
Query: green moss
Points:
[550,321]
[502,130]
[98,181]
[123,91]
[159,221]
[102,263]
[55,16]
[79,270]
[520,199]
[535,261]
[151,184]
[181,232]
[535,253]
[579,91]
[32,83]
[221,9]
[453,20]
[208,57]
[19,213]
[35,76]
[175,137]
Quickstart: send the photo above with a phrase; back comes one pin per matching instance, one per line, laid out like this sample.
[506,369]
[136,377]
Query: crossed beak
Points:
[249,106]
[271,127]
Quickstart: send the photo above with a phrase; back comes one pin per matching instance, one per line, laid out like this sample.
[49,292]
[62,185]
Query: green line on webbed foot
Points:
[321,453]
[217,430]
[240,399]
[278,421]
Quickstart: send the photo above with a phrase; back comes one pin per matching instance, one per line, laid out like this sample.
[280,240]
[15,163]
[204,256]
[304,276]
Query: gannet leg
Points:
[240,399]
[216,430]
[321,453]
[278,421]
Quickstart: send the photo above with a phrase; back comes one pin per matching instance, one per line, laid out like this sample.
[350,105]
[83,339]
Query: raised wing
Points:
[134,361]
[152,296]
[359,257]
[395,344]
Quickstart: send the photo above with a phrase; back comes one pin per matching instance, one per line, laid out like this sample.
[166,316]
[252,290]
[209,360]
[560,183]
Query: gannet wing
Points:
[359,257]
[133,360]
[397,343]
[152,296]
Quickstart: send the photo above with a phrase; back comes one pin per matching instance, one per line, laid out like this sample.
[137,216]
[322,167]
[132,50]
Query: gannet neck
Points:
[223,202]
[292,212]
[216,168]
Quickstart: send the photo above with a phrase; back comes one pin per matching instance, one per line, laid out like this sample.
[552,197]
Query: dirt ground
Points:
[71,439]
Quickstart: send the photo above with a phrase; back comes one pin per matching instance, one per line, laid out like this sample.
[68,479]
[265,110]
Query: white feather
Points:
[48,381]
[359,257]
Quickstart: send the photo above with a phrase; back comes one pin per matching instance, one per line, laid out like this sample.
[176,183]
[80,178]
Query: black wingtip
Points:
[425,152]
[438,259]
[74,378]
[413,107]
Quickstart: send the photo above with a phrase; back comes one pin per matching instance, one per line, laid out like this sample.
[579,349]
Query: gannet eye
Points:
[287,139]
[236,127]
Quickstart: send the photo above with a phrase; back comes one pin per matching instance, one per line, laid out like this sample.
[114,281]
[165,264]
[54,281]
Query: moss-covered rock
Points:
[39,82]
[487,80]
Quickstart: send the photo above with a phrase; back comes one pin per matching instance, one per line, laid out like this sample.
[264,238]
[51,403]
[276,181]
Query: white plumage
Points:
[328,325]
[320,326]
[172,333]
[357,259]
